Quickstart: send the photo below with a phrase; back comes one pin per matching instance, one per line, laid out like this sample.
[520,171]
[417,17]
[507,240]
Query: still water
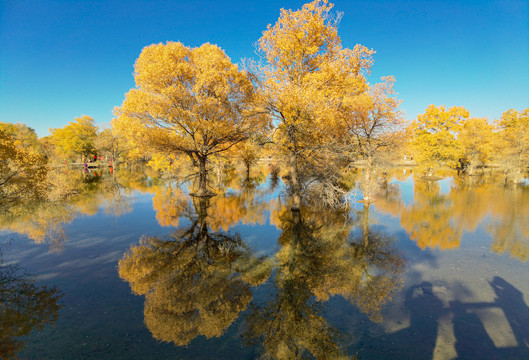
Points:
[134,268]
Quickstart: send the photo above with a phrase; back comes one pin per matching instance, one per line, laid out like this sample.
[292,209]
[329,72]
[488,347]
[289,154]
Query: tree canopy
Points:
[192,101]
[307,77]
[434,137]
[513,144]
[22,172]
[75,139]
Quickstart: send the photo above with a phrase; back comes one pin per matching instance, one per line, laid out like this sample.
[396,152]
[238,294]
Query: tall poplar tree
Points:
[307,77]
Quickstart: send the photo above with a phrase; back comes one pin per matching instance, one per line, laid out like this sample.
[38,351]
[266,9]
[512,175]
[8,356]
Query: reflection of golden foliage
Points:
[224,210]
[437,220]
[195,284]
[278,209]
[389,201]
[44,219]
[24,307]
[40,221]
[366,270]
[229,209]
[400,174]
[427,220]
[136,178]
[290,327]
[169,204]
[317,260]
[470,199]
[510,227]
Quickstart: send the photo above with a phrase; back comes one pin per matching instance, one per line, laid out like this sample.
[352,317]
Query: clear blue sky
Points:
[62,59]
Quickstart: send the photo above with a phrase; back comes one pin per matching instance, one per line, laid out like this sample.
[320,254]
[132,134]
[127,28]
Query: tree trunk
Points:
[295,183]
[201,208]
[296,217]
[365,223]
[247,170]
[369,184]
[202,190]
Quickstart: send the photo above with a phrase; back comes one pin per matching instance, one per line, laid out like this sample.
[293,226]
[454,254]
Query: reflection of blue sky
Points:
[445,185]
[262,239]
[406,188]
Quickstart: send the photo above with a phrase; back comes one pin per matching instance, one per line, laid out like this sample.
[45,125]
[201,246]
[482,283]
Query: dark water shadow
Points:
[418,340]
[472,340]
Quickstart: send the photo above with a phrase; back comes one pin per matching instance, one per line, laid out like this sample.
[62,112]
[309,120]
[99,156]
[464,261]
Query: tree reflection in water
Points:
[71,194]
[317,260]
[436,220]
[195,283]
[199,280]
[427,220]
[24,307]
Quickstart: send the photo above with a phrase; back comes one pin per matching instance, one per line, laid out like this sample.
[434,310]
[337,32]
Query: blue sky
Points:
[62,59]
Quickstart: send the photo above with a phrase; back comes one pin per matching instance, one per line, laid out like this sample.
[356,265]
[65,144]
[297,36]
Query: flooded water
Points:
[135,268]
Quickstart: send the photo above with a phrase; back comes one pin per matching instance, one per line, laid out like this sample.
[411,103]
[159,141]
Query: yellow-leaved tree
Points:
[111,145]
[514,143]
[307,77]
[476,143]
[23,136]
[434,137]
[75,139]
[22,172]
[373,131]
[191,101]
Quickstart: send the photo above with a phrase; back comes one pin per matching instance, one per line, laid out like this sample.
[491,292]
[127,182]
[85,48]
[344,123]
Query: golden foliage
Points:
[476,141]
[23,136]
[373,122]
[373,131]
[513,147]
[193,101]
[434,137]
[308,76]
[112,146]
[75,139]
[22,172]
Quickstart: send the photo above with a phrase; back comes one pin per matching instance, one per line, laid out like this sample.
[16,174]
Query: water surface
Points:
[134,268]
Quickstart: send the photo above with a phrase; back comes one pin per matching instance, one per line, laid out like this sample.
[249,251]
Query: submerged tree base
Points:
[203,194]
[430,177]
[366,201]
